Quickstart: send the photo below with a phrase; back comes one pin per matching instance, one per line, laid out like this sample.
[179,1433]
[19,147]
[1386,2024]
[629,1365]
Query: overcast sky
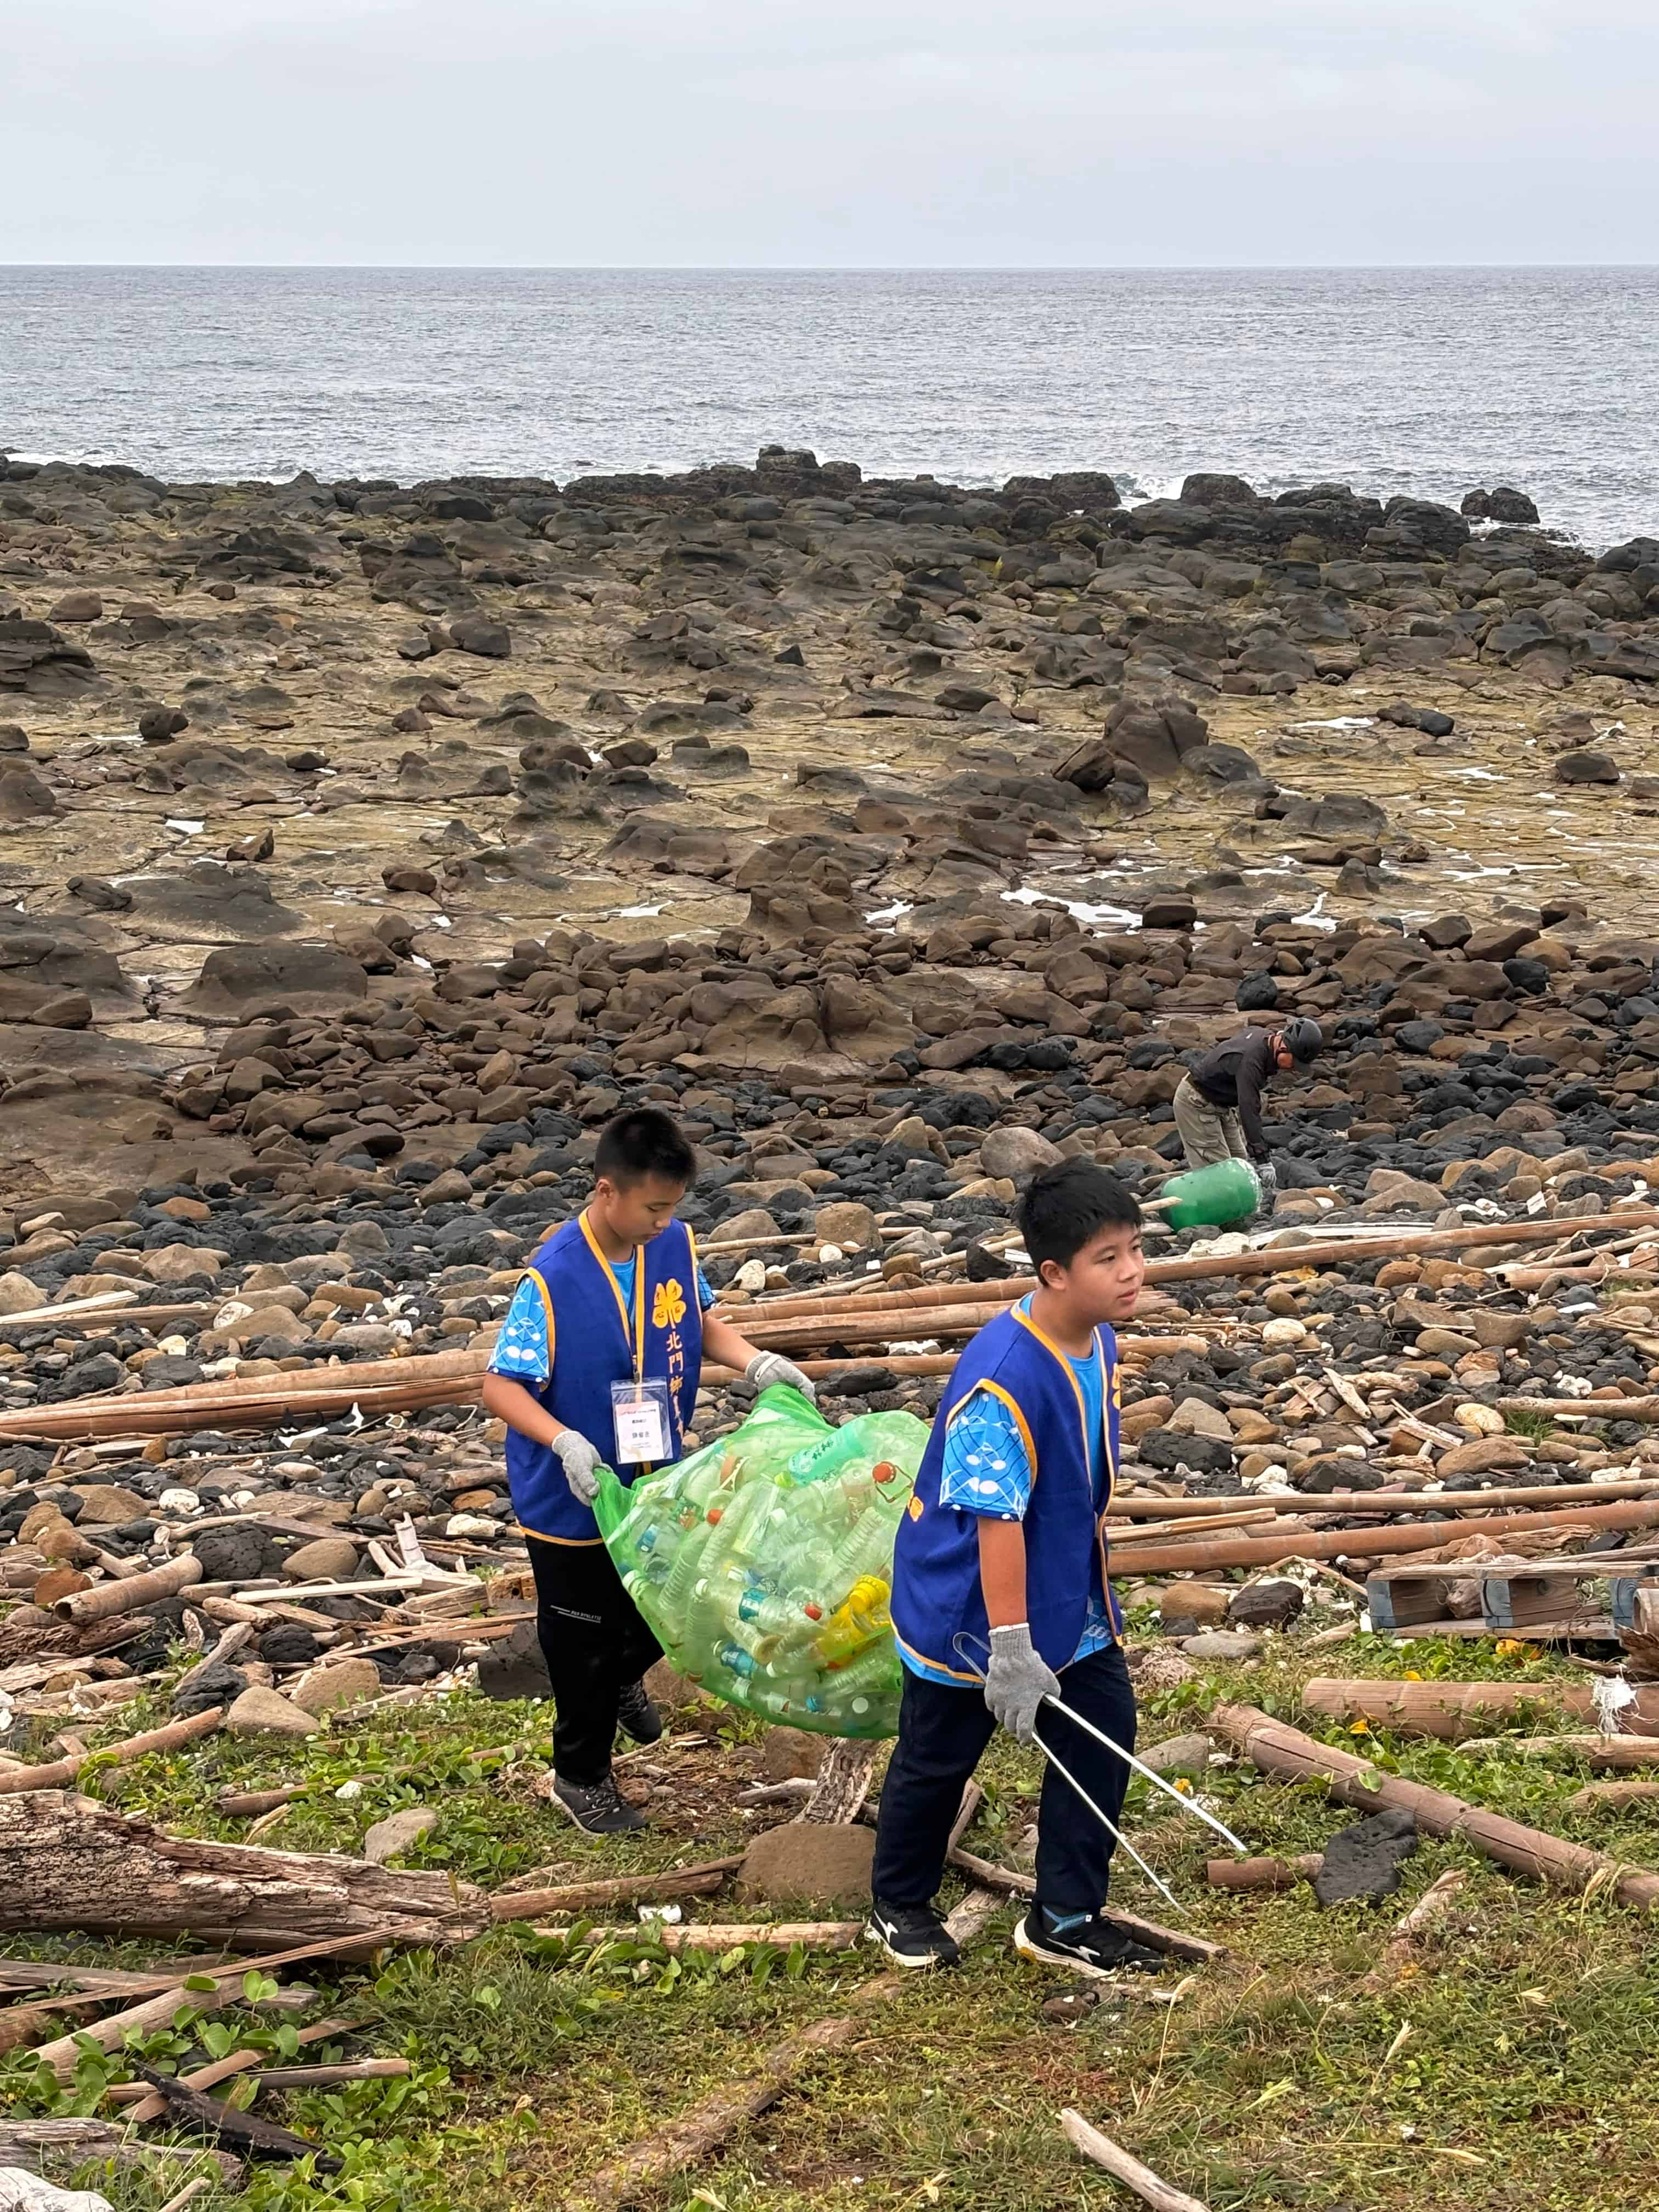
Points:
[858,133]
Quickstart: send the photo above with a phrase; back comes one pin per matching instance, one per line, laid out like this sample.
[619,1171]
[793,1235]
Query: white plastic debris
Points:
[1611,1694]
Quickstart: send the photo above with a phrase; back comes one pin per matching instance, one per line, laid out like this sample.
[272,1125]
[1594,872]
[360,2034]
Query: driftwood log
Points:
[1279,1749]
[74,1864]
[1453,1710]
[31,2144]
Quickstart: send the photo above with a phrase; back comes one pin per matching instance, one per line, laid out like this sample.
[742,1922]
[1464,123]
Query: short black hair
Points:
[1069,1203]
[644,1141]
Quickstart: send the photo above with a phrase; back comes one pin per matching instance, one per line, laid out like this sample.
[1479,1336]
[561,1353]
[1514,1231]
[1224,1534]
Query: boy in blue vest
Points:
[1000,1597]
[598,1360]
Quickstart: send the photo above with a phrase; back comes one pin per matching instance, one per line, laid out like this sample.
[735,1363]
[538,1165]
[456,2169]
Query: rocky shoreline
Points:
[369,846]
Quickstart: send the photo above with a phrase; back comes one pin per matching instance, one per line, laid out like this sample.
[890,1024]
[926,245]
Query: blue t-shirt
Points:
[986,1472]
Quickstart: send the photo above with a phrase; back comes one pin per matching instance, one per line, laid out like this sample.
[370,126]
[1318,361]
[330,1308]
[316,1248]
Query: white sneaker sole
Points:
[1028,1947]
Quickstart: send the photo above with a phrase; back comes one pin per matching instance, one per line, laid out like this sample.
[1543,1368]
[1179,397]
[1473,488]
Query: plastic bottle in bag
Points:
[861,1618]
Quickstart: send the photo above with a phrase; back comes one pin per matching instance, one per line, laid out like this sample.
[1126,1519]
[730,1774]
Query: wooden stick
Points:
[188,2194]
[1595,1408]
[24,2142]
[1369,1543]
[107,1599]
[143,2105]
[626,1889]
[174,1737]
[1129,2171]
[110,2033]
[724,1934]
[1263,1874]
[1172,1941]
[1277,1748]
[1612,1796]
[317,2077]
[1423,1919]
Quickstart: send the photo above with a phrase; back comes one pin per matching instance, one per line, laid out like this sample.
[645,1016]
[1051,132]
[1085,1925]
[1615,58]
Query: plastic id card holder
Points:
[639,1412]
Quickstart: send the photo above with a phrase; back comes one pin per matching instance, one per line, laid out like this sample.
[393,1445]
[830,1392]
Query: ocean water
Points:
[1423,381]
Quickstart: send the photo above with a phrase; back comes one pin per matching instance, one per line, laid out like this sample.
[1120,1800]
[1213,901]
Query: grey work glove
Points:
[1268,1176]
[766,1368]
[580,1460]
[1018,1681]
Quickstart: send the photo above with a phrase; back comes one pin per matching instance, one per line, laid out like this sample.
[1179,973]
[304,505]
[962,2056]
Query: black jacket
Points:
[1231,1075]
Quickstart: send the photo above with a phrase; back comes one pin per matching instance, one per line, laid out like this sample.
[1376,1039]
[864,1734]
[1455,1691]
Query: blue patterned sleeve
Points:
[705,1296]
[521,1349]
[987,1470]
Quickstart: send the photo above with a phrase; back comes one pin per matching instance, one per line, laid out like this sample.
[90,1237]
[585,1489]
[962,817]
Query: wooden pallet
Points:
[1518,1595]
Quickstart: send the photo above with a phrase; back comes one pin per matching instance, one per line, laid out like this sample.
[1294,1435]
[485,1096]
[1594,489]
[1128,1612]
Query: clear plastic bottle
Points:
[866,1550]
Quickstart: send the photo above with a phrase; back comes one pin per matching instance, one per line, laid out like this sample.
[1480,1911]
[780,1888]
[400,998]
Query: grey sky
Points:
[858,133]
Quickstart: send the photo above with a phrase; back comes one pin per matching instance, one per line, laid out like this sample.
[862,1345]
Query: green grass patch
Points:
[1513,2062]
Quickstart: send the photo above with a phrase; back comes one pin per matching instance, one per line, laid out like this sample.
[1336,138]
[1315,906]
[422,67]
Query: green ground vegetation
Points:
[1514,2063]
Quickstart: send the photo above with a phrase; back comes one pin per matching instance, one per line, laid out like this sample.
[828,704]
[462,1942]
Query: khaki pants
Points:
[1208,1132]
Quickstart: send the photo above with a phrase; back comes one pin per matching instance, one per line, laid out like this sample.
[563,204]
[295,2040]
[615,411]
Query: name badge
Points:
[640,1413]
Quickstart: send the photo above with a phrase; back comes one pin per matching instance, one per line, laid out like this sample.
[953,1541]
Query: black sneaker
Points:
[1089,1944]
[599,1808]
[637,1716]
[912,1935]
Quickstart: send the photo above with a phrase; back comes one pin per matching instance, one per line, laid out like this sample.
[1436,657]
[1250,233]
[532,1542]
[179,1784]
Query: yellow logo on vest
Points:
[668,1307]
[915,1508]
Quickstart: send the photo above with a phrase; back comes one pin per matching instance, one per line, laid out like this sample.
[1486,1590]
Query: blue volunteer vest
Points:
[937,1594]
[594,1341]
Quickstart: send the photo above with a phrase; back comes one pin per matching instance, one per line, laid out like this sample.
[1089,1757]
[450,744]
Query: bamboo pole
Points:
[1262,1874]
[1367,1543]
[62,1772]
[1279,1749]
[105,1599]
[1546,1497]
[1614,1755]
[1453,1710]
[723,1934]
[624,1889]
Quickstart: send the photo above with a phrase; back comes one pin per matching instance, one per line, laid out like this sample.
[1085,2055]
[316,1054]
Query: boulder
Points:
[308,978]
[1270,1604]
[1158,739]
[389,1839]
[326,1560]
[24,797]
[348,1683]
[1188,1755]
[1584,765]
[815,1865]
[266,1712]
[1363,1862]
[40,661]
[846,1223]
[479,634]
[1016,1153]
